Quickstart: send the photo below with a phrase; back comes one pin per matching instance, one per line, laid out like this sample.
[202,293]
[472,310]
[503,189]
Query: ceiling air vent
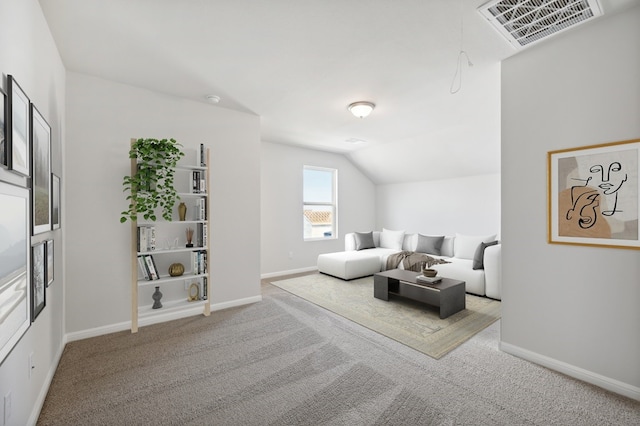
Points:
[524,22]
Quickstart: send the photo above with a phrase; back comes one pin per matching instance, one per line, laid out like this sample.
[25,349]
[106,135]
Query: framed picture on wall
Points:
[593,196]
[18,137]
[41,172]
[3,129]
[15,271]
[38,279]
[50,262]
[55,202]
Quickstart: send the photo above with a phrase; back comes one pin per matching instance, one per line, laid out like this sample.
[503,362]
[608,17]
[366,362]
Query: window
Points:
[319,203]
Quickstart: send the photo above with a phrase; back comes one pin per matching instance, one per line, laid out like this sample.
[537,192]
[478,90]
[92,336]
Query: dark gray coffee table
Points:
[448,294]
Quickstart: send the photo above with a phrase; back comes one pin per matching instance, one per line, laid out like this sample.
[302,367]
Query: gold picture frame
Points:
[593,195]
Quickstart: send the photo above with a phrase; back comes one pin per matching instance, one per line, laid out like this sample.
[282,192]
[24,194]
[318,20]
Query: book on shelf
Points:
[198,182]
[146,238]
[202,234]
[143,268]
[151,267]
[201,156]
[200,209]
[204,292]
[199,262]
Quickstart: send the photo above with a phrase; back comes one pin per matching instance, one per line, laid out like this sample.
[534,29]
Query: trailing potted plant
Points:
[152,184]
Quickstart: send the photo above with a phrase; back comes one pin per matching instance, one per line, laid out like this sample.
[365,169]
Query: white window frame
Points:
[333,204]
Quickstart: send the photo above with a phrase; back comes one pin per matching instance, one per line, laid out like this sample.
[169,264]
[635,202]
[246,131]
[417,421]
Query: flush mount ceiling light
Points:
[361,109]
[214,99]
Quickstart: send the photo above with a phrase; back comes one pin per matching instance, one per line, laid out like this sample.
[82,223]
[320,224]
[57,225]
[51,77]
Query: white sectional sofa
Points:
[482,279]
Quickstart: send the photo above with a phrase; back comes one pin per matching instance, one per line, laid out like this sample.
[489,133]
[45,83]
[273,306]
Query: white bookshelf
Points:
[170,247]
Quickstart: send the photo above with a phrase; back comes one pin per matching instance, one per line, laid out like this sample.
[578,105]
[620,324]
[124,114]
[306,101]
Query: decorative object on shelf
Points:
[189,233]
[157,295]
[151,186]
[176,269]
[194,292]
[182,211]
[429,272]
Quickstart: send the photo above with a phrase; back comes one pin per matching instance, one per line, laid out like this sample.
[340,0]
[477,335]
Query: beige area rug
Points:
[414,324]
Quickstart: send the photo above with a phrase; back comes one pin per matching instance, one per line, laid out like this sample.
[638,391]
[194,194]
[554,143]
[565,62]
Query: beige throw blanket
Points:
[412,261]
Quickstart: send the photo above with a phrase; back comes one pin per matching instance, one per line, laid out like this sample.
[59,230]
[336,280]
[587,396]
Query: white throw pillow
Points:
[464,246]
[392,239]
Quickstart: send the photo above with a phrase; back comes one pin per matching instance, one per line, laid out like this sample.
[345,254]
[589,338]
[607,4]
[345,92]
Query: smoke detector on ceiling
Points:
[523,22]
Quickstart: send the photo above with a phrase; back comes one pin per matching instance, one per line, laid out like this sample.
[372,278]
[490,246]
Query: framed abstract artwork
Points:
[41,172]
[55,202]
[18,137]
[38,279]
[593,196]
[15,271]
[50,262]
[3,129]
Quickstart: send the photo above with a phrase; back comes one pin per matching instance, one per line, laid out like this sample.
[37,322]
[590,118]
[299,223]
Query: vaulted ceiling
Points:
[299,63]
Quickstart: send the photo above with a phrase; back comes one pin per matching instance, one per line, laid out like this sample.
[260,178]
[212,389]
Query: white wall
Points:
[572,308]
[281,206]
[102,118]
[469,205]
[27,52]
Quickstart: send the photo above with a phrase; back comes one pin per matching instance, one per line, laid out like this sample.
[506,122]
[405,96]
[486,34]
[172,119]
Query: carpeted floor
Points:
[285,361]
[413,323]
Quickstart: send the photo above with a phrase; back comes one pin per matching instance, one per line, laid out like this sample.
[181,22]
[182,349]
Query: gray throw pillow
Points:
[478,259]
[429,245]
[364,240]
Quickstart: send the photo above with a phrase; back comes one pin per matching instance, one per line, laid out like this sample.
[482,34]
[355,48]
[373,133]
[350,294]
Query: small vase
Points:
[157,295]
[182,211]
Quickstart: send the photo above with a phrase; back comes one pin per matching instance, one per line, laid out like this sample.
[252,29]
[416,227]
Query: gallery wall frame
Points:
[15,266]
[55,202]
[593,195]
[50,251]
[3,129]
[41,171]
[38,279]
[18,128]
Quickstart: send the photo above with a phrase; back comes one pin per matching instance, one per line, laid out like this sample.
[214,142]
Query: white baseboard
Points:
[607,383]
[114,328]
[37,407]
[234,303]
[97,331]
[289,272]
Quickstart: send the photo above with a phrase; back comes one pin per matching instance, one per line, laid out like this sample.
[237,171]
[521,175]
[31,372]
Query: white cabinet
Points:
[156,246]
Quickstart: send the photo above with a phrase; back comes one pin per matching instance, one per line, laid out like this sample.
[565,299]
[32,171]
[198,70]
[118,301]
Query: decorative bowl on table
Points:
[429,273]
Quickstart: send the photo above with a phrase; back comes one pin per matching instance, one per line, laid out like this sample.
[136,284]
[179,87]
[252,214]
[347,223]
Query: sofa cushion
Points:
[391,239]
[364,240]
[429,244]
[465,246]
[478,258]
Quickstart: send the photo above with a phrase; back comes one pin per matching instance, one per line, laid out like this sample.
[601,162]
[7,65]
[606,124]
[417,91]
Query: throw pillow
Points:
[478,259]
[391,239]
[364,240]
[429,245]
[465,246]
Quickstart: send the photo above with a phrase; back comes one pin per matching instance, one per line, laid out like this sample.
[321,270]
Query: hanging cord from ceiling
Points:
[456,83]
